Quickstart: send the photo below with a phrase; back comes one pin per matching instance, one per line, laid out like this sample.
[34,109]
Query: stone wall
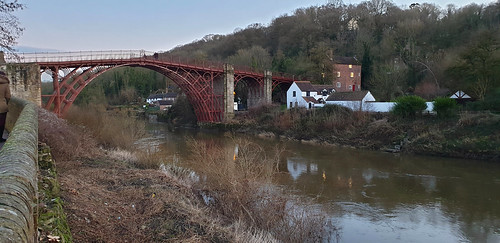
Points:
[25,81]
[18,174]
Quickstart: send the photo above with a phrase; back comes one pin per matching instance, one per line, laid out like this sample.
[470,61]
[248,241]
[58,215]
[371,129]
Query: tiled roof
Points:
[346,60]
[310,99]
[165,102]
[305,86]
[347,96]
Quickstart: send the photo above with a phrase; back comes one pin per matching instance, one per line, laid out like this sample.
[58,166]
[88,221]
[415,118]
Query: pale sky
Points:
[152,25]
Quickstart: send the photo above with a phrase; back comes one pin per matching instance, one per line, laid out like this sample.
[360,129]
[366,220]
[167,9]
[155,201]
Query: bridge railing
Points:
[75,56]
[38,57]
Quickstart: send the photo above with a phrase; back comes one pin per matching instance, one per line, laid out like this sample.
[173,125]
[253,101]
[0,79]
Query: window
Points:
[338,74]
[294,93]
[352,75]
[350,87]
[296,104]
[291,104]
[350,66]
[339,85]
[310,105]
[308,93]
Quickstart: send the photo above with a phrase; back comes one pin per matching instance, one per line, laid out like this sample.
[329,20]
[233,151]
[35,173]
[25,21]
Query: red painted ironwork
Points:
[196,80]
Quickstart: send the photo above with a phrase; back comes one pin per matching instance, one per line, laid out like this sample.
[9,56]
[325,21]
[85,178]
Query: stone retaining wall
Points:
[18,174]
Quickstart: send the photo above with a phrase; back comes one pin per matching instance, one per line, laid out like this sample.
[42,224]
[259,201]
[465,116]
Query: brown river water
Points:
[375,196]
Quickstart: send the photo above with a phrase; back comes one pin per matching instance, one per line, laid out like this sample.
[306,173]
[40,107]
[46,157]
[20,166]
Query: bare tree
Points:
[9,24]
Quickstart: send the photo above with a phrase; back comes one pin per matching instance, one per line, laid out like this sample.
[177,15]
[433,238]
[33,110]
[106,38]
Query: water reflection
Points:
[380,197]
[299,166]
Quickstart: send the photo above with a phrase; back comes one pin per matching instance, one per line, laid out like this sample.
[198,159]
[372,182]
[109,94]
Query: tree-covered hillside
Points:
[421,49]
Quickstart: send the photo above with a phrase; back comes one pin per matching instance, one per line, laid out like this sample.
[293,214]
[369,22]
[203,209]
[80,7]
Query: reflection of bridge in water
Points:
[208,86]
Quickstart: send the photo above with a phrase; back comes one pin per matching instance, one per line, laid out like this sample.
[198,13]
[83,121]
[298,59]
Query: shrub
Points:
[445,107]
[491,102]
[409,106]
[182,113]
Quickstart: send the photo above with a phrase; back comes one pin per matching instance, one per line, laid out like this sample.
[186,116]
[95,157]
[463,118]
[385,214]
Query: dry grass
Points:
[148,159]
[122,155]
[110,130]
[237,186]
[67,142]
[468,119]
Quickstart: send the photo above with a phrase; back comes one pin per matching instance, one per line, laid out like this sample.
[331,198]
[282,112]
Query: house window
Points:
[308,93]
[352,75]
[296,104]
[291,104]
[350,66]
[350,87]
[294,94]
[310,105]
[338,74]
[339,85]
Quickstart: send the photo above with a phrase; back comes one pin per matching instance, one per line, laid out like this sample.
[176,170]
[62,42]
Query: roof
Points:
[347,96]
[161,96]
[460,95]
[310,99]
[346,60]
[305,86]
[165,102]
[320,87]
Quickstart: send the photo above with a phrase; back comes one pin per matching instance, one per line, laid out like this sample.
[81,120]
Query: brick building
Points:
[347,73]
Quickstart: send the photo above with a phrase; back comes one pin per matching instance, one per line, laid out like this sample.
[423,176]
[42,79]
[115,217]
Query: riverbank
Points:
[469,135]
[117,195]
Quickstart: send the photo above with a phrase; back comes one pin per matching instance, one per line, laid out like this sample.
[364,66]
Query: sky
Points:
[151,25]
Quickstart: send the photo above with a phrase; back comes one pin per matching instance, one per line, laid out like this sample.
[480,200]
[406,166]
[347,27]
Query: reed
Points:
[237,183]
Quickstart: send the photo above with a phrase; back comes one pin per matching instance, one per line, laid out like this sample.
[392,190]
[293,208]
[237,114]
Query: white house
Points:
[163,104]
[165,96]
[305,94]
[364,101]
[356,100]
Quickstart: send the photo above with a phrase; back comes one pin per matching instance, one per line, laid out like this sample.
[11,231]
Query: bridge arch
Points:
[198,87]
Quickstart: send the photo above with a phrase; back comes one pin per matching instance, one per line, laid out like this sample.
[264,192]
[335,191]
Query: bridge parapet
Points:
[75,56]
[18,174]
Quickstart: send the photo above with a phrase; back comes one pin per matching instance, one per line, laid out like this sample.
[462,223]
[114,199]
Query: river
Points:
[378,197]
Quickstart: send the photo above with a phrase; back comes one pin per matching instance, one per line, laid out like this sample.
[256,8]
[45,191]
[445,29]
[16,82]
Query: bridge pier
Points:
[261,94]
[25,81]
[268,87]
[228,92]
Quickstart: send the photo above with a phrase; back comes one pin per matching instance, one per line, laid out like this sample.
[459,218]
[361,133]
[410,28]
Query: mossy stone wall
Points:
[18,174]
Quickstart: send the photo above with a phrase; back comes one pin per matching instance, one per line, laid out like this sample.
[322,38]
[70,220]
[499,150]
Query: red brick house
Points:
[347,73]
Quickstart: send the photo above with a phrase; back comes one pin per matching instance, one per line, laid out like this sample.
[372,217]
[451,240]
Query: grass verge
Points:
[52,222]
